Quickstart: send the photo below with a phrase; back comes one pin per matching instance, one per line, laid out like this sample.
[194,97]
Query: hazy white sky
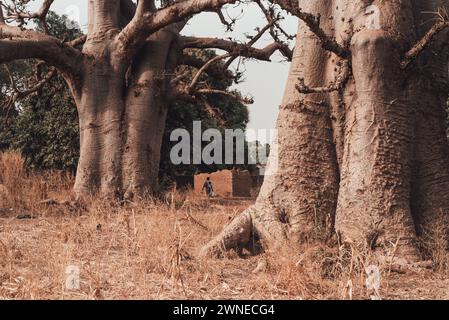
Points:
[263,80]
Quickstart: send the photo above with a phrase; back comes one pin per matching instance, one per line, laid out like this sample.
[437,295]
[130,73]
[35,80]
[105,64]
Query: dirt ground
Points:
[148,252]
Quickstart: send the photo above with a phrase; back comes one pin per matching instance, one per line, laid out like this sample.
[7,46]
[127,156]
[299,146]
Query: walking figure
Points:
[209,188]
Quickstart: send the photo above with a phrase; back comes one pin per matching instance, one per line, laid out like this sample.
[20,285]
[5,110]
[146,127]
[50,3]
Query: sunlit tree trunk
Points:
[368,161]
[122,110]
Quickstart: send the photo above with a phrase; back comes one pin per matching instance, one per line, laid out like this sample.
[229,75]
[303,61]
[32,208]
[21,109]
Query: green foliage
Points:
[46,130]
[44,125]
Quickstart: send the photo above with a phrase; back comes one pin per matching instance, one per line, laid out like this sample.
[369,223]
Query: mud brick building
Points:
[226,183]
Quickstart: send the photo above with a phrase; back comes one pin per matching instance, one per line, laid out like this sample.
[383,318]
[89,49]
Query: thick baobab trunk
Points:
[371,157]
[122,110]
[299,192]
[100,102]
[145,114]
[100,110]
[374,195]
[395,160]
[431,168]
[121,134]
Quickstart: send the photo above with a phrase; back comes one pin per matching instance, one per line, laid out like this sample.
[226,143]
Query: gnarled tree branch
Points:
[313,22]
[424,42]
[17,43]
[147,21]
[336,85]
[233,48]
[20,94]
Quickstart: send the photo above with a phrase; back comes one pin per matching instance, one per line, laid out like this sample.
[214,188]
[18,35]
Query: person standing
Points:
[209,188]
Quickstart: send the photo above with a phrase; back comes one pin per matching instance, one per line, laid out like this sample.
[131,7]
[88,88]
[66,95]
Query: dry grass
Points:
[147,250]
[434,243]
[23,191]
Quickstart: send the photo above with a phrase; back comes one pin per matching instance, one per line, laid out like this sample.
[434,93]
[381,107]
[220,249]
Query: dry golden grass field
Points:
[148,250]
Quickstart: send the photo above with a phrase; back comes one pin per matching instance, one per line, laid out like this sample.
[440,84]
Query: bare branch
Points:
[17,43]
[269,15]
[196,78]
[313,22]
[45,79]
[18,13]
[20,94]
[146,22]
[233,48]
[337,85]
[183,94]
[225,93]
[229,25]
[424,42]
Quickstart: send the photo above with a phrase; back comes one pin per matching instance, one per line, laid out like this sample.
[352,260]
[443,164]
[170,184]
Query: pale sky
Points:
[263,80]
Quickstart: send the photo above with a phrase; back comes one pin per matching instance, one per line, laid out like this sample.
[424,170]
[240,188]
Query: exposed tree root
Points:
[255,229]
[236,235]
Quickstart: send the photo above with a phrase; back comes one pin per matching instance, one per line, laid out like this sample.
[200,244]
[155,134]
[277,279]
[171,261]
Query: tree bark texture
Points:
[369,161]
[122,108]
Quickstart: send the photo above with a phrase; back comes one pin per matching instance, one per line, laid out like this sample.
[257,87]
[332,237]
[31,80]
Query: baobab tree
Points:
[121,77]
[361,147]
